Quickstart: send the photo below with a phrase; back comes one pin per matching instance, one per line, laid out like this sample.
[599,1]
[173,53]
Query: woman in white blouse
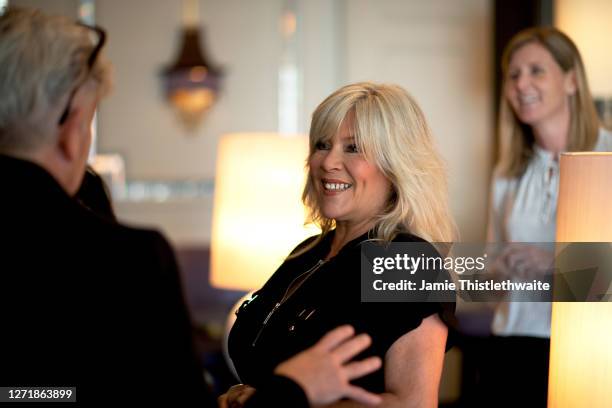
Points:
[546,108]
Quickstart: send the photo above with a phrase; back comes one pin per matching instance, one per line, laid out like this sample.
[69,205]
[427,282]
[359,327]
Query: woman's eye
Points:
[352,148]
[514,75]
[536,70]
[322,146]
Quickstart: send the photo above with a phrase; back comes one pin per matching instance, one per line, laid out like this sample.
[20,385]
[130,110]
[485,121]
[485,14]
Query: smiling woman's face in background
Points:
[536,87]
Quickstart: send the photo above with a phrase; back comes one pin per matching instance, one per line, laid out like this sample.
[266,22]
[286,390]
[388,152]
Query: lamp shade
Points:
[587,22]
[580,355]
[258,216]
[192,82]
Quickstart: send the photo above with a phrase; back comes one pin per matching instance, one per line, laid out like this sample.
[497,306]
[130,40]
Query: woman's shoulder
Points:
[306,242]
[415,243]
[405,236]
[604,141]
[501,183]
[309,242]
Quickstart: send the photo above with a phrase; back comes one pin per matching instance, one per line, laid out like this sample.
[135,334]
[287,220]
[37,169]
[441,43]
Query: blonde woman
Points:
[546,108]
[374,174]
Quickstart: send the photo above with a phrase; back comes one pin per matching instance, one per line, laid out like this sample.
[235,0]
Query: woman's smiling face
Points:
[536,87]
[348,188]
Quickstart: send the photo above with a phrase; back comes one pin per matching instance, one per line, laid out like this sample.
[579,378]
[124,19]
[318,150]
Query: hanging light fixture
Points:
[192,82]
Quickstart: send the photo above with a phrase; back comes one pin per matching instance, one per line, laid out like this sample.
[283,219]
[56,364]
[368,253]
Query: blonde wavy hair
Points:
[42,58]
[391,131]
[516,138]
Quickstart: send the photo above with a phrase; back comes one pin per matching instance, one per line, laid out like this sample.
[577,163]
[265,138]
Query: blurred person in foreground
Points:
[86,302]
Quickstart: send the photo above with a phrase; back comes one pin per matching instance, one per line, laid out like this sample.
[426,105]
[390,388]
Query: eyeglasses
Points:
[101,37]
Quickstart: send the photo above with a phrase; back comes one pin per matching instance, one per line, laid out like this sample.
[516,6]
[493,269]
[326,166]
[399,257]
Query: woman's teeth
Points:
[336,186]
[528,99]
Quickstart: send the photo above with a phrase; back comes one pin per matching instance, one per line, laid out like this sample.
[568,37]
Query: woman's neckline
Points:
[328,239]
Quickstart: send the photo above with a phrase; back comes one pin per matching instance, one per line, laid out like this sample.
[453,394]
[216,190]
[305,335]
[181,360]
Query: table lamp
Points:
[258,216]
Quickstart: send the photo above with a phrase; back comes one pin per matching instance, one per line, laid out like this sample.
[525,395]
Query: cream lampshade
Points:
[258,216]
[581,333]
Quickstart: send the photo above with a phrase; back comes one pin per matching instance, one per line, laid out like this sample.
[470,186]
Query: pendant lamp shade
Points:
[192,83]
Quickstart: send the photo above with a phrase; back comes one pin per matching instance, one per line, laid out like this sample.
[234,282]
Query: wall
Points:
[64,7]
[589,24]
[240,35]
[440,52]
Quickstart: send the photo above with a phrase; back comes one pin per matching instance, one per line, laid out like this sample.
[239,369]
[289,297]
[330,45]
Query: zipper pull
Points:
[286,296]
[263,325]
[276,306]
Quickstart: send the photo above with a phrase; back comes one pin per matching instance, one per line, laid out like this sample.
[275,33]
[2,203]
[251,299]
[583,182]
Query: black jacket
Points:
[87,302]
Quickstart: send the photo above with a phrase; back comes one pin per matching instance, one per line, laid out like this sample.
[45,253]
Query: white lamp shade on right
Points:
[581,333]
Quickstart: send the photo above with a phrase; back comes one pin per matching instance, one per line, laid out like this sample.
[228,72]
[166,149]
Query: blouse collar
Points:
[545,156]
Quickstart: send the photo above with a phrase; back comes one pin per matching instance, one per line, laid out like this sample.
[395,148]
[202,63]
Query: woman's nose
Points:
[332,160]
[522,82]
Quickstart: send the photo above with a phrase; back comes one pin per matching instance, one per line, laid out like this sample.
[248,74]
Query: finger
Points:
[360,368]
[235,388]
[239,395]
[222,401]
[232,396]
[242,398]
[235,404]
[335,337]
[510,253]
[360,395]
[514,259]
[506,251]
[351,348]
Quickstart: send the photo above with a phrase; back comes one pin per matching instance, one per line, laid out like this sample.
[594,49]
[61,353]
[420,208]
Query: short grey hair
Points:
[42,59]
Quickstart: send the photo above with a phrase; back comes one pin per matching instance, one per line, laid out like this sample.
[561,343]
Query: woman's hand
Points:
[324,371]
[527,261]
[236,396]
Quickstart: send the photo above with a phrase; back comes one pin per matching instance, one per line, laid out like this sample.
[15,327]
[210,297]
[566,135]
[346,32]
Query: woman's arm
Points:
[316,376]
[413,366]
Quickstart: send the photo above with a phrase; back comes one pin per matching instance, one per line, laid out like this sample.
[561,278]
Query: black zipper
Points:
[286,296]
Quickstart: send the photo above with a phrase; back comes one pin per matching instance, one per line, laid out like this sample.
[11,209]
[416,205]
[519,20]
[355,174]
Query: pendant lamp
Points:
[192,83]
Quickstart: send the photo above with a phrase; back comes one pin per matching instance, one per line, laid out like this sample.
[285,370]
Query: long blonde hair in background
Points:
[517,139]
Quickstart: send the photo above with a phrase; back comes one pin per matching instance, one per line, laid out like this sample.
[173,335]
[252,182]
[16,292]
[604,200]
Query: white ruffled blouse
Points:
[525,210]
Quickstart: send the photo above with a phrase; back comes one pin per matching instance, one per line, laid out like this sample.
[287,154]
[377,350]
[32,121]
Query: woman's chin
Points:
[529,117]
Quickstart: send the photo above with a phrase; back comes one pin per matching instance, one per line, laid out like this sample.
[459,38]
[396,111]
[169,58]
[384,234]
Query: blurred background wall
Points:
[438,50]
[444,52]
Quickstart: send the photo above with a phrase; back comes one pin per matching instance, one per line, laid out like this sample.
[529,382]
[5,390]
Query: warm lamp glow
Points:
[588,23]
[258,215]
[194,101]
[580,354]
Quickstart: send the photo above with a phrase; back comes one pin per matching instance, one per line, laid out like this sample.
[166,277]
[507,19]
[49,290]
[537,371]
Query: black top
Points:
[89,303]
[329,297]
